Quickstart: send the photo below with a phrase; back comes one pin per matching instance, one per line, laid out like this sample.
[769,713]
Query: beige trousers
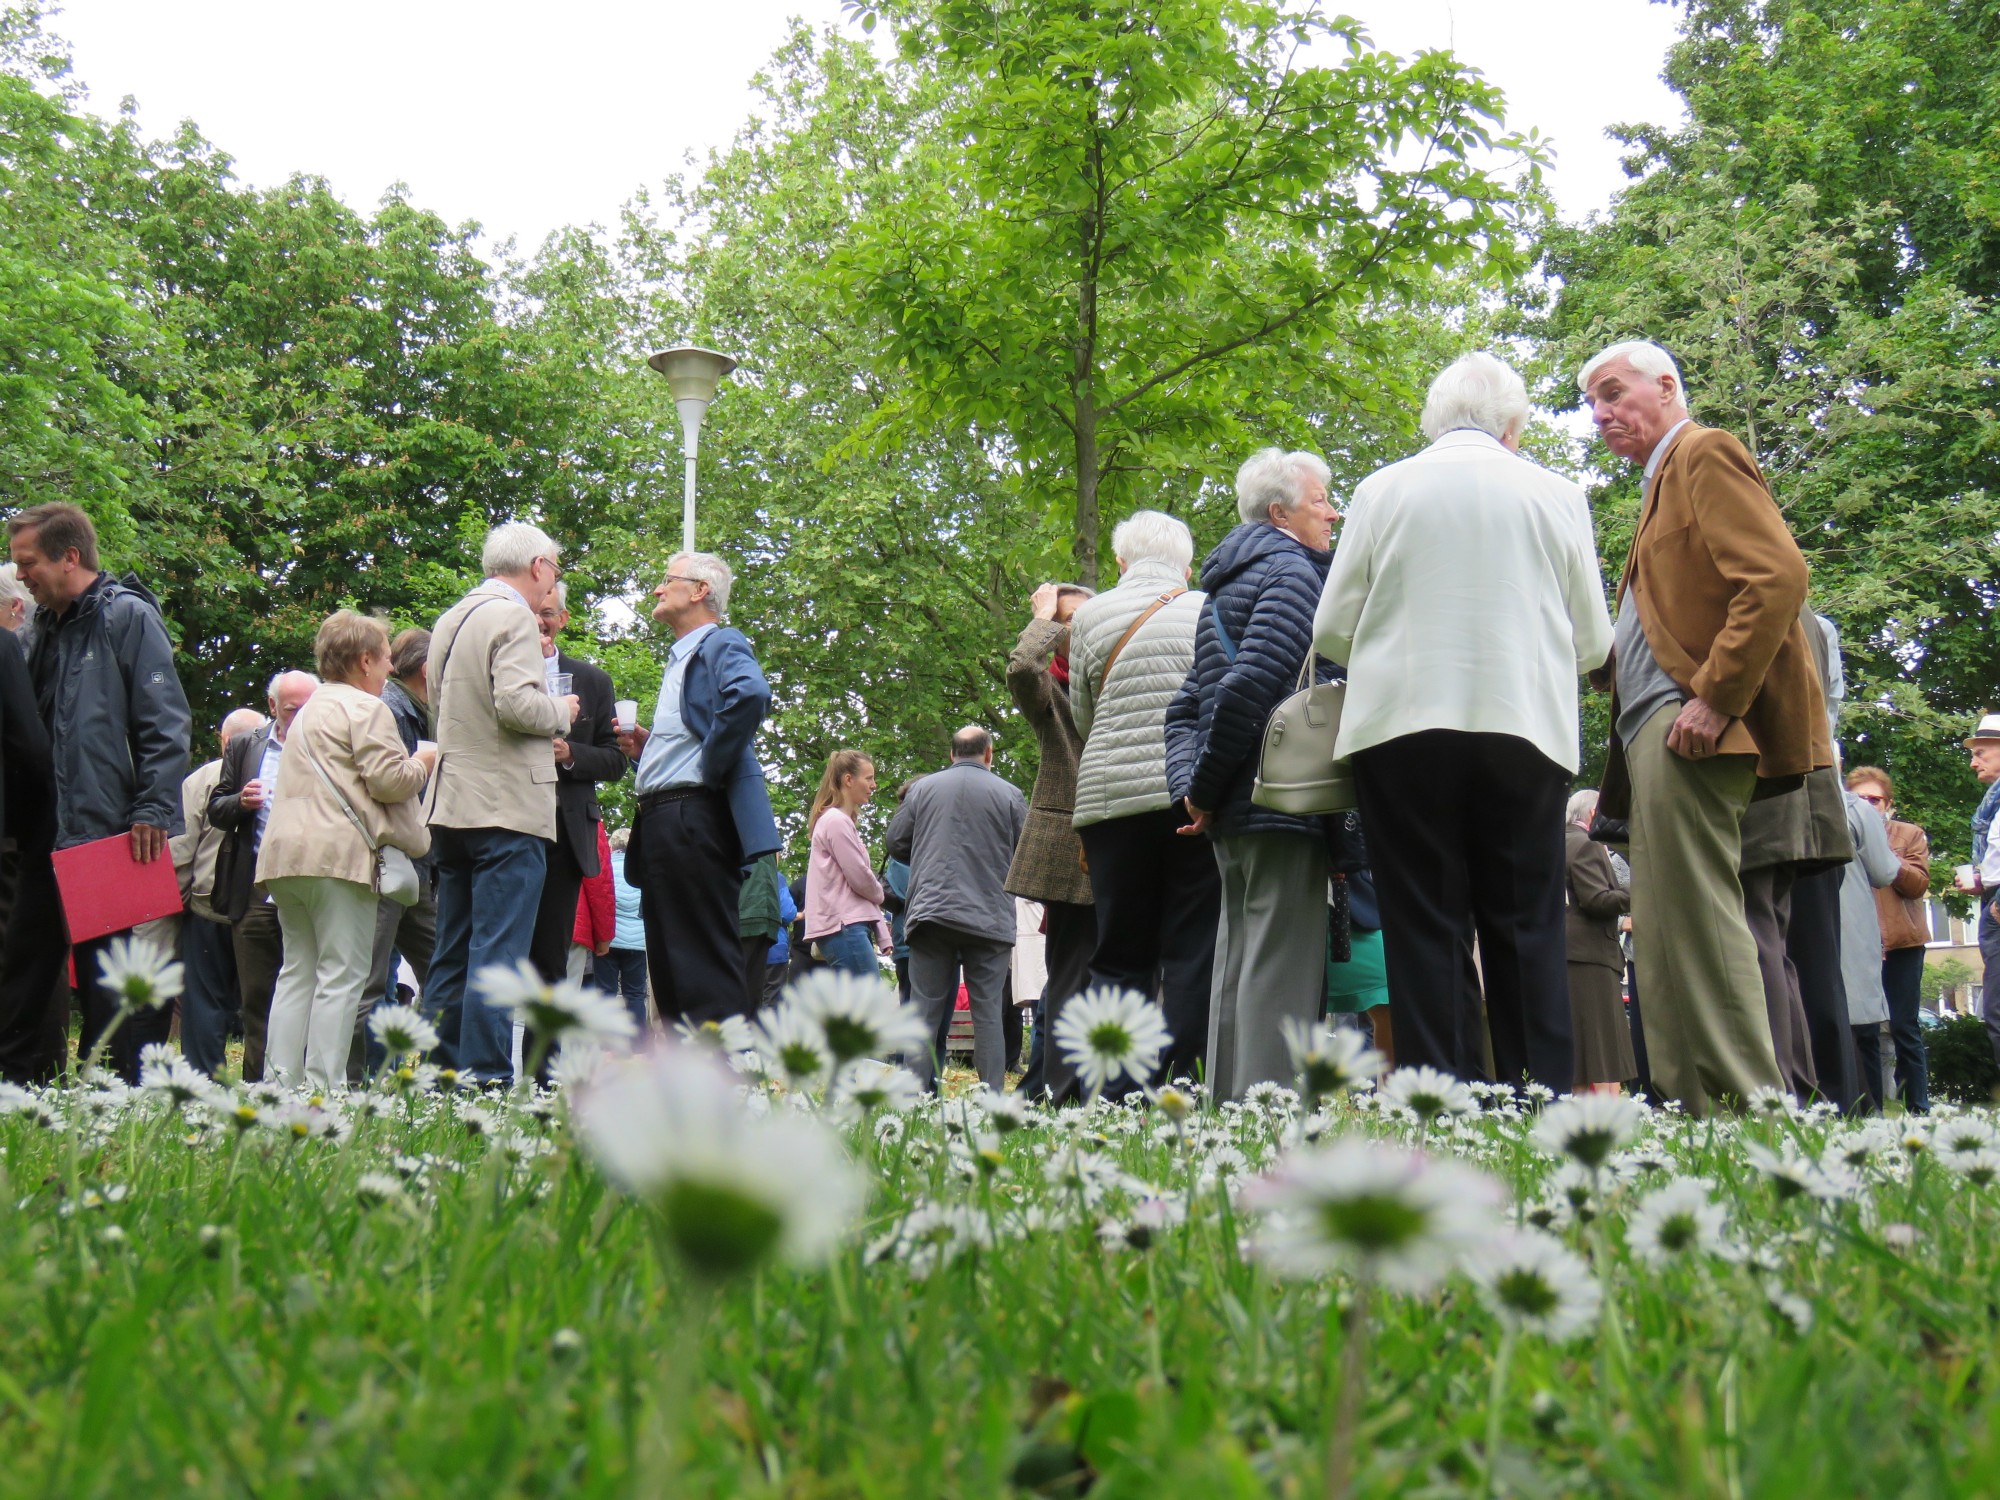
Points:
[1708,1034]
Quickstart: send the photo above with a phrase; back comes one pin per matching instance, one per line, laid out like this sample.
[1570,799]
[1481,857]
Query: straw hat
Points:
[1987,733]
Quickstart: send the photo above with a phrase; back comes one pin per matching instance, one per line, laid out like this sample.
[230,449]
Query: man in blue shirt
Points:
[703,811]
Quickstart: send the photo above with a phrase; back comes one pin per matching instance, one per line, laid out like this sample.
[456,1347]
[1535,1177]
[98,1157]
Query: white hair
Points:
[271,691]
[11,587]
[560,594]
[1153,536]
[1271,476]
[1644,356]
[706,567]
[1579,803]
[1475,390]
[242,721]
[512,547]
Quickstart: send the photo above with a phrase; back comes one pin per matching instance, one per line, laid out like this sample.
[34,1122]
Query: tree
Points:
[1115,214]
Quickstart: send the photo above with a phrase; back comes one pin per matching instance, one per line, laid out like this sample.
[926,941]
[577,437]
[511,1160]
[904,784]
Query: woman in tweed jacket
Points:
[1048,861]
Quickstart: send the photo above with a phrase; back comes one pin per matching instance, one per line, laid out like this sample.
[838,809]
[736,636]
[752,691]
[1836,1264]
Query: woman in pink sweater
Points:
[844,922]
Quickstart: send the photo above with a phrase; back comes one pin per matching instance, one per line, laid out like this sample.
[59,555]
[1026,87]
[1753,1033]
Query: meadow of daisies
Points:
[757,1262]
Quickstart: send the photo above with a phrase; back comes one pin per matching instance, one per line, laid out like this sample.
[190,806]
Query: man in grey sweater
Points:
[957,831]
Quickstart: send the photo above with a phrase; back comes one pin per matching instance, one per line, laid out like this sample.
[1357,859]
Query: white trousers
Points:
[329,931]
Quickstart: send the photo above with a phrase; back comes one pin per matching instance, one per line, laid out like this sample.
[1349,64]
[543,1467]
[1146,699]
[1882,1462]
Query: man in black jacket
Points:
[240,806]
[587,755]
[118,725]
[31,1025]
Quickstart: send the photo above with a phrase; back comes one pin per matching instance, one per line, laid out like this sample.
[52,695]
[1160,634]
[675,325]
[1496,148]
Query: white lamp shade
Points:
[693,375]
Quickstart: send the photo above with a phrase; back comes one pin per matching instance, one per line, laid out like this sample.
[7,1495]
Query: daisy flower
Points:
[1107,1033]
[868,1085]
[139,973]
[1677,1221]
[728,1189]
[793,1047]
[859,1017]
[554,1011]
[1328,1060]
[1428,1094]
[402,1030]
[1395,1216]
[1588,1129]
[1535,1284]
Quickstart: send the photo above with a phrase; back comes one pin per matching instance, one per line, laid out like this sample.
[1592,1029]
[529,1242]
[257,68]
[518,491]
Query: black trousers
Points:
[1158,900]
[555,913]
[260,954]
[1813,943]
[211,999]
[34,998]
[1465,837]
[687,862]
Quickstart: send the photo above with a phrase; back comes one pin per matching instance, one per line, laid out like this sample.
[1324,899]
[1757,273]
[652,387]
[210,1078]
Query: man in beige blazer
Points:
[491,804]
[1715,697]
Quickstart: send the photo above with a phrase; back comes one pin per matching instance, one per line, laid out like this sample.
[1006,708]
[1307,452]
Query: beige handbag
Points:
[1296,771]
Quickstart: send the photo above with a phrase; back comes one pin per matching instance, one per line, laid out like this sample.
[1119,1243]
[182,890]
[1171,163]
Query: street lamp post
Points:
[693,375]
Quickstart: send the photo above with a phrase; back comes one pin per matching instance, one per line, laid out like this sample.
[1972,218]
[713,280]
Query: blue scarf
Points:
[1982,822]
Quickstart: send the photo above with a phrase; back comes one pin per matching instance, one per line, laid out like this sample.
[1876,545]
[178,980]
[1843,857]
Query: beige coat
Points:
[353,737]
[495,719]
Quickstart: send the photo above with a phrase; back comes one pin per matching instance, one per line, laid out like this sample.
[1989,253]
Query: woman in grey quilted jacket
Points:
[1157,895]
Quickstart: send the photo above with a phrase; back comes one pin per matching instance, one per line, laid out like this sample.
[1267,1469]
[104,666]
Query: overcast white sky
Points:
[528,117]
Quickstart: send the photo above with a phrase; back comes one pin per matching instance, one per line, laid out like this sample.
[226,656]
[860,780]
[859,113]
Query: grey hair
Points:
[1153,536]
[1475,390]
[241,721]
[512,548]
[11,587]
[271,689]
[1587,798]
[1271,476]
[620,839]
[560,593]
[706,567]
[1645,356]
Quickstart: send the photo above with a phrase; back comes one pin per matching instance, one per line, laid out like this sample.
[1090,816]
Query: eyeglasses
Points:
[683,578]
[1875,799]
[555,568]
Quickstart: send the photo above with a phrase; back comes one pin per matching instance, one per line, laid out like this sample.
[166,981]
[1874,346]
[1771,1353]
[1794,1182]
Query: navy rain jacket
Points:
[1265,585]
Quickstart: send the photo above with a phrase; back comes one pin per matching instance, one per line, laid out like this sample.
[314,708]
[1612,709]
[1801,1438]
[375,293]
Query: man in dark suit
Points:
[588,754]
[240,806]
[704,813]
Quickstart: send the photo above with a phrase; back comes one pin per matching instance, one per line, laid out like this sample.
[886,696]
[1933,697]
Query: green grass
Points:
[196,1310]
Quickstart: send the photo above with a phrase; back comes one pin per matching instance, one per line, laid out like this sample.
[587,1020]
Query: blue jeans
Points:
[489,885]
[851,950]
[621,972]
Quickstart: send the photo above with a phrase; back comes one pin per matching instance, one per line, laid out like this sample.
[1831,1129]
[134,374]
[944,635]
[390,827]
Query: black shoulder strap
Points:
[437,682]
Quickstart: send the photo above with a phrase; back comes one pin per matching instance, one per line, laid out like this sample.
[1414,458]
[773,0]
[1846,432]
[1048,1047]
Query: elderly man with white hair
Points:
[1466,602]
[1254,636]
[491,803]
[1716,696]
[1156,895]
[704,813]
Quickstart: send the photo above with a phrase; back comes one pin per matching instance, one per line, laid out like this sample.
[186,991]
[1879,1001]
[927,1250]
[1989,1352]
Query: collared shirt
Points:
[267,773]
[551,669]
[1643,687]
[672,757]
[512,590]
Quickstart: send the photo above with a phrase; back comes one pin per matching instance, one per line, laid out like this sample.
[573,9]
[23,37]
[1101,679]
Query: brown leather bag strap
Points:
[1104,677]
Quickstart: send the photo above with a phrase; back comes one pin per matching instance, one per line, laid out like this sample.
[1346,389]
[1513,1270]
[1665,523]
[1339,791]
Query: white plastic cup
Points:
[559,685]
[1967,877]
[626,711]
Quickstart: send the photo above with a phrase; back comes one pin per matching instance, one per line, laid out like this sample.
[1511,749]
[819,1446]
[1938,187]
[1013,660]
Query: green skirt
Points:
[1362,983]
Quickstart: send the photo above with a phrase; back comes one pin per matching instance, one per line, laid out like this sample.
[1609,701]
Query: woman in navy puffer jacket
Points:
[1264,581]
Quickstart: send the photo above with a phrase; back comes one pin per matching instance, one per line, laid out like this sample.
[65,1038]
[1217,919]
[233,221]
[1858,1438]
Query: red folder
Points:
[104,889]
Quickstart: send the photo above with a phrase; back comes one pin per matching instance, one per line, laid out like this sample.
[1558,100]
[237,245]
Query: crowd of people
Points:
[1729,913]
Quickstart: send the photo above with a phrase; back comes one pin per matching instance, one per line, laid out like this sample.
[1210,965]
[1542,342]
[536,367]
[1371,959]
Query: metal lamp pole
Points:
[693,375]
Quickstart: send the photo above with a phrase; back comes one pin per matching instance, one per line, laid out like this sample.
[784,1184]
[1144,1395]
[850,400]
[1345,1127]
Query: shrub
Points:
[1961,1061]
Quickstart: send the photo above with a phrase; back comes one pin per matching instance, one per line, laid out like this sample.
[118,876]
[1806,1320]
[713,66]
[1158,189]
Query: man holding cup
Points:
[704,813]
[585,756]
[1982,876]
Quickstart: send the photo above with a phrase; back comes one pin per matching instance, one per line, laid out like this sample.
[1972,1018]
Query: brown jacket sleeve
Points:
[1746,536]
[1913,852]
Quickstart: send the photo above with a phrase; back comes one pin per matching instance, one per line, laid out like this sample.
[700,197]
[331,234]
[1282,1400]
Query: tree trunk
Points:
[1083,385]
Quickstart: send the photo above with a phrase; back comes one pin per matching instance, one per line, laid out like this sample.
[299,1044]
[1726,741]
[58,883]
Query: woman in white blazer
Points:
[1465,599]
[317,865]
